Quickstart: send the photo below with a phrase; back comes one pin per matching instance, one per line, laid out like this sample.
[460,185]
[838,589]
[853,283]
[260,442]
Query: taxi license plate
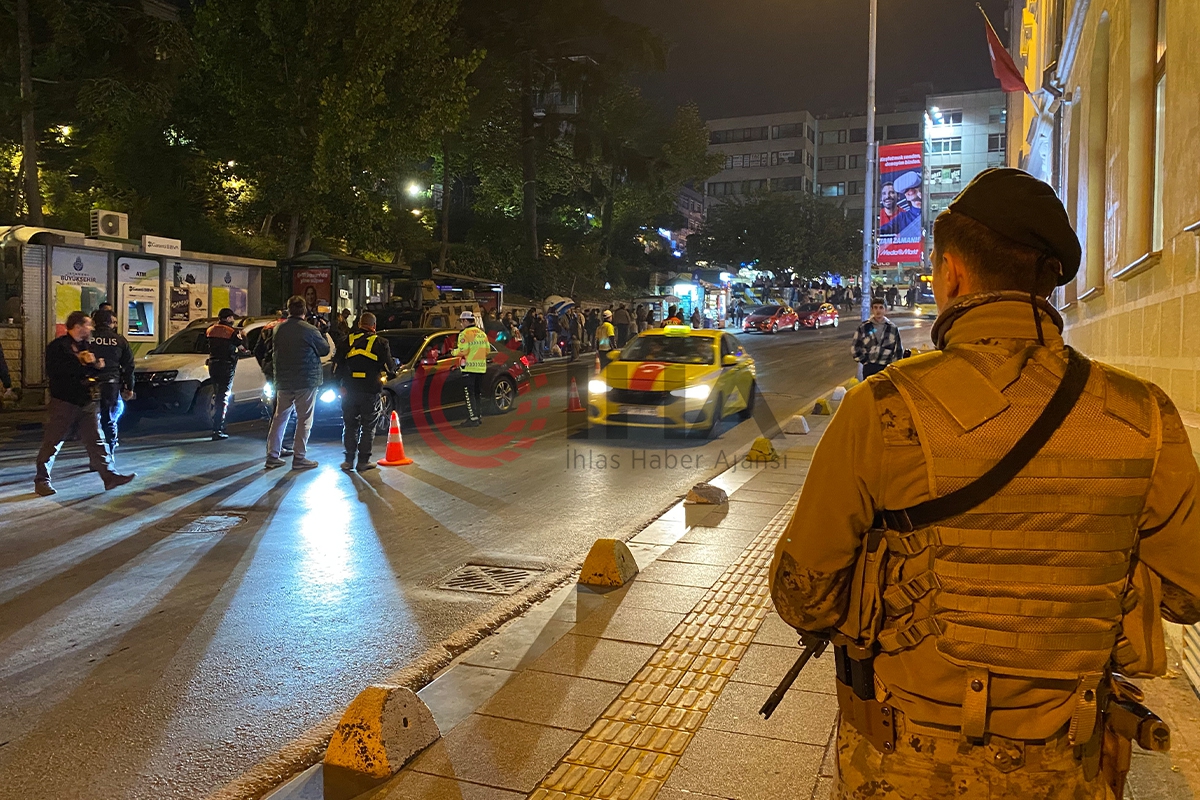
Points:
[640,411]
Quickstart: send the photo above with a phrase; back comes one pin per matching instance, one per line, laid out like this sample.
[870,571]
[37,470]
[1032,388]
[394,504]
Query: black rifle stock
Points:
[814,646]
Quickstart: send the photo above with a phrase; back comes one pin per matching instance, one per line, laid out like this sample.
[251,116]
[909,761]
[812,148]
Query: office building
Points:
[842,152]
[774,152]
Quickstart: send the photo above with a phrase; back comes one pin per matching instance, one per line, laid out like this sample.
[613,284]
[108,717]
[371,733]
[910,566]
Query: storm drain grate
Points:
[202,523]
[488,579]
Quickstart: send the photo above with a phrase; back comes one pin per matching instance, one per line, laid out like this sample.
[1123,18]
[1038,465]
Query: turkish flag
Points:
[1003,66]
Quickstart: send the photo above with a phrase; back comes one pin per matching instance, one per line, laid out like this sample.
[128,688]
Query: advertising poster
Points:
[138,288]
[231,289]
[315,286]
[80,279]
[188,294]
[901,238]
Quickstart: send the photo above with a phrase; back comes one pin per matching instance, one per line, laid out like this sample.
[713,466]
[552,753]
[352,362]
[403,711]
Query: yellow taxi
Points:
[674,378]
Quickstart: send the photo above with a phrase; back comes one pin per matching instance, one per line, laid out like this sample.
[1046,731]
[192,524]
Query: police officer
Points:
[115,378]
[361,361]
[225,346]
[72,369]
[473,352]
[977,611]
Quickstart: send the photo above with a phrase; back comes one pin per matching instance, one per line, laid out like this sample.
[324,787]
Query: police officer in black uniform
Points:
[115,378]
[225,346]
[360,362]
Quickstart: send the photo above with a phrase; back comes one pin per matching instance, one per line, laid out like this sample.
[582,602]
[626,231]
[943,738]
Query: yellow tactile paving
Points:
[630,751]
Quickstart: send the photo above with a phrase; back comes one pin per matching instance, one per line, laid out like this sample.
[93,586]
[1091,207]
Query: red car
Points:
[770,319]
[817,315]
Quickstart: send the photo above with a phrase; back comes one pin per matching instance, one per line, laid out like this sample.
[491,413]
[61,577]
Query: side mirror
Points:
[729,360]
[613,355]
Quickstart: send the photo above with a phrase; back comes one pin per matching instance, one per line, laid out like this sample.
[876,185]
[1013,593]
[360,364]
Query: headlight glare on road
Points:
[597,386]
[700,392]
[328,396]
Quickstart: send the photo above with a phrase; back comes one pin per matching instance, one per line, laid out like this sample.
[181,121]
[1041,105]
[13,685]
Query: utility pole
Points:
[869,198]
[33,191]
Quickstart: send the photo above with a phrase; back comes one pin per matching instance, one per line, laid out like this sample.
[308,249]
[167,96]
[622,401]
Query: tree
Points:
[780,232]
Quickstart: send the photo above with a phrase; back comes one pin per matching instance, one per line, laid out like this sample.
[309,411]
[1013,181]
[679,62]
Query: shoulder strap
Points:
[987,485]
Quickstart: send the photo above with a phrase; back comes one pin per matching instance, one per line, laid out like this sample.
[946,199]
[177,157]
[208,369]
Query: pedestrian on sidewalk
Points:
[593,323]
[115,378]
[988,532]
[473,351]
[639,316]
[360,364]
[72,369]
[298,348]
[877,342]
[225,347]
[606,335]
[621,322]
[539,330]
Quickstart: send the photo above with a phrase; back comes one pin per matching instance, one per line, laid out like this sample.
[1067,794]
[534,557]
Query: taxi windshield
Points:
[764,311]
[669,349]
[809,307]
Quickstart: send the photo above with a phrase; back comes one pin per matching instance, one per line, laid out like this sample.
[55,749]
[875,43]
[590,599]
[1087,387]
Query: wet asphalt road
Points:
[141,658]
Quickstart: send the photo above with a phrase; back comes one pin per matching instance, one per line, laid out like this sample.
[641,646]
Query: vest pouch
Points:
[1141,651]
[864,618]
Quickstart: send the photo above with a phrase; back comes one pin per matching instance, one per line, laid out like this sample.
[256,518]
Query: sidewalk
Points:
[652,690]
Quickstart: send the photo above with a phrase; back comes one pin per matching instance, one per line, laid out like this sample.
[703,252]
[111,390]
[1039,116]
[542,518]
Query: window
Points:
[833,162]
[746,161]
[1097,160]
[832,189]
[808,185]
[951,173]
[997,115]
[860,134]
[785,157]
[812,135]
[738,135]
[856,187]
[793,130]
[951,145]
[727,188]
[787,184]
[997,142]
[946,117]
[1160,118]
[855,162]
[811,160]
[908,131]
[833,137]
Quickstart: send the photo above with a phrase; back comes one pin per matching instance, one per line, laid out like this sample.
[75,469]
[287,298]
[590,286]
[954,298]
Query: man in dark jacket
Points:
[297,349]
[360,364]
[72,369]
[225,346]
[115,378]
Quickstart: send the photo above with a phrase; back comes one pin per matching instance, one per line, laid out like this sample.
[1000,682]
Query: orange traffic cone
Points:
[597,362]
[573,401]
[394,456]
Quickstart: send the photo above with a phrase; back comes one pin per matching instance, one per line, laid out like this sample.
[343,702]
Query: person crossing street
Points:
[473,351]
[115,378]
[361,361]
[297,350]
[877,341]
[225,346]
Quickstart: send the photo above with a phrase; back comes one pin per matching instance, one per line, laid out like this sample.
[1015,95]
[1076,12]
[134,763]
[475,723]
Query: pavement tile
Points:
[681,574]
[667,793]
[520,643]
[741,767]
[419,786]
[705,514]
[459,691]
[644,625]
[774,630]
[598,659]
[661,532]
[731,537]
[502,753]
[693,553]
[645,554]
[661,597]
[765,665]
[802,717]
[587,600]
[545,698]
[766,496]
[824,790]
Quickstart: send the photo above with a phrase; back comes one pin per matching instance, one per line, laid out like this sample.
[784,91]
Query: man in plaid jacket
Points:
[877,341]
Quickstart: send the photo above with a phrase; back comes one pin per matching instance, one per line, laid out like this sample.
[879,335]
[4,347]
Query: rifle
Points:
[813,646]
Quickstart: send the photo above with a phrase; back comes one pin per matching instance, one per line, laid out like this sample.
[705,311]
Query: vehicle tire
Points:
[748,412]
[387,404]
[710,430]
[774,327]
[796,325]
[835,321]
[204,406]
[503,396]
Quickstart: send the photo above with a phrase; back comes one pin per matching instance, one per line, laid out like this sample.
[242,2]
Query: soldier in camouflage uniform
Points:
[995,632]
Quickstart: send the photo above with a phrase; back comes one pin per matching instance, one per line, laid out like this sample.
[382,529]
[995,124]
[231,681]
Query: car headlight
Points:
[700,392]
[328,396]
[268,391]
[597,386]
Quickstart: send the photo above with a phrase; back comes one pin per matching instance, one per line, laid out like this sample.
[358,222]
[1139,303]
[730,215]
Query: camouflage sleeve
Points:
[1170,524]
[815,556]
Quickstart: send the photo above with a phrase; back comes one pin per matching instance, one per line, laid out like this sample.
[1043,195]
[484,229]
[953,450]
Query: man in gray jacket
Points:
[298,350]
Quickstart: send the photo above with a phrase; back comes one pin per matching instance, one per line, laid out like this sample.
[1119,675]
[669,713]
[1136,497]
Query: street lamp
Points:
[414,190]
[869,185]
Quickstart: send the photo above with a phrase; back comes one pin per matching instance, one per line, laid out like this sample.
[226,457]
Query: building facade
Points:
[842,152]
[775,152]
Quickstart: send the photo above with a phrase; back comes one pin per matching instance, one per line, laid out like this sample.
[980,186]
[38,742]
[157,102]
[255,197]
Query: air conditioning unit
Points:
[110,224]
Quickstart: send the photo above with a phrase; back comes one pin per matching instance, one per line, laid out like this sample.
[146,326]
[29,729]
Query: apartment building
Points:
[774,152]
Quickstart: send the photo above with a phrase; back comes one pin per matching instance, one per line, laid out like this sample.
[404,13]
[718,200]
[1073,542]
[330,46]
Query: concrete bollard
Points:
[850,384]
[608,563]
[382,729]
[796,426]
[838,393]
[762,451]
[822,408]
[706,493]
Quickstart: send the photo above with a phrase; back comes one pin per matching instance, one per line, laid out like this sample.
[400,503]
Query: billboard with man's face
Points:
[901,235]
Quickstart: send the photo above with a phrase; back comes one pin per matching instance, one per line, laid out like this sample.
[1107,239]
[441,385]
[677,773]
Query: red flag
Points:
[1003,66]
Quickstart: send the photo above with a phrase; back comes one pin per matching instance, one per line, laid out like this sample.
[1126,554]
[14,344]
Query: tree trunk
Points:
[306,239]
[606,214]
[529,164]
[268,221]
[293,234]
[29,154]
[447,182]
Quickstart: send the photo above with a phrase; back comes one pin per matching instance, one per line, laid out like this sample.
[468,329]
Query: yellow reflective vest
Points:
[606,336]
[473,350]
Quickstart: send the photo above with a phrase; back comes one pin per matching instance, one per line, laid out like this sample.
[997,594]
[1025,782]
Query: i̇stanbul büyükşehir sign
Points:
[901,236]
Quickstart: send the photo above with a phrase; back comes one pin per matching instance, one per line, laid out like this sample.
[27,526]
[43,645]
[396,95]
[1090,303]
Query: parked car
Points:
[173,377]
[770,319]
[817,315]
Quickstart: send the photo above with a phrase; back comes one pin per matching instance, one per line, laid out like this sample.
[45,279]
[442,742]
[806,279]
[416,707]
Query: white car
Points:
[173,377]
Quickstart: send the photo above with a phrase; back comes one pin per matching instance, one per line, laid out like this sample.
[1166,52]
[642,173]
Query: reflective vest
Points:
[606,336]
[362,368]
[1033,583]
[473,349]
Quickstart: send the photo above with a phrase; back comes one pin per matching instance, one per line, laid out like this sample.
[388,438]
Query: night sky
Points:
[735,57]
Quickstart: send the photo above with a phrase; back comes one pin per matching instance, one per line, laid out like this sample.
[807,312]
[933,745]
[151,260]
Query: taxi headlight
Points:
[328,396]
[700,392]
[597,386]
